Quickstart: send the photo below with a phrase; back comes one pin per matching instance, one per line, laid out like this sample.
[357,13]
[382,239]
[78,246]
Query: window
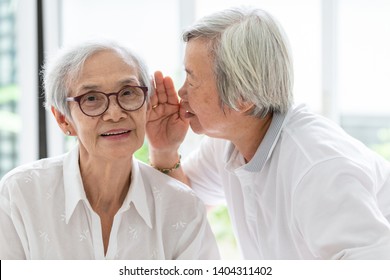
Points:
[340,50]
[9,91]
[363,66]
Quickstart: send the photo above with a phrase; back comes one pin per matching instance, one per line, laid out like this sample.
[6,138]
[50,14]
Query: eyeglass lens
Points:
[95,103]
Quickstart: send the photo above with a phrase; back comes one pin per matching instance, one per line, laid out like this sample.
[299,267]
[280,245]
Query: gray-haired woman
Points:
[98,201]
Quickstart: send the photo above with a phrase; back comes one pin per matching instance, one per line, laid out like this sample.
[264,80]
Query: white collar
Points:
[74,190]
[263,152]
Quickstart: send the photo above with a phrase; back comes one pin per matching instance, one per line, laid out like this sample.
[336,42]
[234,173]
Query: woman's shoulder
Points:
[34,173]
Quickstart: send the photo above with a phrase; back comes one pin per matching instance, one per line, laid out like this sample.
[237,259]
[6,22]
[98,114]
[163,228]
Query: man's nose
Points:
[182,92]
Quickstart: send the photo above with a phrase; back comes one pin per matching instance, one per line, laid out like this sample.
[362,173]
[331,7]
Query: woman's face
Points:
[117,133]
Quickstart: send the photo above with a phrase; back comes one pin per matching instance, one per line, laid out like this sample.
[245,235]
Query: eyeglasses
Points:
[96,103]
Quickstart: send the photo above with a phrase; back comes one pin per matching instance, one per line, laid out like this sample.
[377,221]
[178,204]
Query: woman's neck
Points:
[106,183]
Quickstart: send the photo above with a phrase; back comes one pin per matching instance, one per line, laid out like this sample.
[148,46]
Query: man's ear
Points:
[245,107]
[62,122]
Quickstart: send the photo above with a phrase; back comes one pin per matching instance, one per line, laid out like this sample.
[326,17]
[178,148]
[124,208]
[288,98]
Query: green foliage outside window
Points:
[10,121]
[383,148]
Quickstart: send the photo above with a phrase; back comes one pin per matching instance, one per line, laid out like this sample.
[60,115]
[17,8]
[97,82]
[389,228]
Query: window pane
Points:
[364,59]
[301,20]
[364,56]
[149,27]
[9,93]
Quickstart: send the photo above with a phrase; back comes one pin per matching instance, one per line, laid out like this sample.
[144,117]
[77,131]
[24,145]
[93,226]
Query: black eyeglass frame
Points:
[107,95]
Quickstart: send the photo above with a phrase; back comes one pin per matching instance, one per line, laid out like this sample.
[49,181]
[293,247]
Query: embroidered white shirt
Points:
[44,214]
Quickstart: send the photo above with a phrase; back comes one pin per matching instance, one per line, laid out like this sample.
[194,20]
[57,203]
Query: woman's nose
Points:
[114,110]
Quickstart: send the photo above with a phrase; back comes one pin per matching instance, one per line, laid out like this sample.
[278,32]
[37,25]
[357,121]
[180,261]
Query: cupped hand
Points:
[165,128]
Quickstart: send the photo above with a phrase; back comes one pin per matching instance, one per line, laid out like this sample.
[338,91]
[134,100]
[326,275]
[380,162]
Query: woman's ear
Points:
[62,122]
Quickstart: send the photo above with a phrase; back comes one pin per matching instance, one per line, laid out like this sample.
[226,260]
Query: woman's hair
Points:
[252,61]
[67,65]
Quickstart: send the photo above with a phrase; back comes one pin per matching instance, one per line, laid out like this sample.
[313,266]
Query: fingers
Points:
[165,90]
[160,88]
[182,113]
[172,97]
[153,100]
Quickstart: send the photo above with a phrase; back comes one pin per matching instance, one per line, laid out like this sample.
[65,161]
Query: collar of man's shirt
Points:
[263,152]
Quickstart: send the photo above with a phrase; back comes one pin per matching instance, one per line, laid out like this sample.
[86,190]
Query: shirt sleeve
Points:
[336,211]
[197,241]
[202,169]
[10,244]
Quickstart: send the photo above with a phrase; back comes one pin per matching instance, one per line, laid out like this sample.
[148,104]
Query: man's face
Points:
[199,93]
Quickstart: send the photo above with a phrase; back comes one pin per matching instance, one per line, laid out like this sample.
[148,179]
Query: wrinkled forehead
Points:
[101,60]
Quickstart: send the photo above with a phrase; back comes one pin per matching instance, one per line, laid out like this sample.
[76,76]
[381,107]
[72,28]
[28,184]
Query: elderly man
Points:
[296,185]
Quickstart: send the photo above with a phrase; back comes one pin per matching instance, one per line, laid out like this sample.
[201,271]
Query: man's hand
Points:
[165,129]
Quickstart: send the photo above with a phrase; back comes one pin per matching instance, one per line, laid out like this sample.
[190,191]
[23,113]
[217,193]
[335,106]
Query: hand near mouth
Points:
[166,127]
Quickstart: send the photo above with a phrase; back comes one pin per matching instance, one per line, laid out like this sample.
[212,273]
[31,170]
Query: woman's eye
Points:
[91,98]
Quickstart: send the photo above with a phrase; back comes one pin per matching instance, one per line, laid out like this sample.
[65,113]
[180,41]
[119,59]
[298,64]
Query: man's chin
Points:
[196,127]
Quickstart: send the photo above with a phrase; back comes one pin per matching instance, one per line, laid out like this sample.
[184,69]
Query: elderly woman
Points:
[98,201]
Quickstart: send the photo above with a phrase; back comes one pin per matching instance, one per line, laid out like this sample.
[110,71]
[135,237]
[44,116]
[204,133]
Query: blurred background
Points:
[340,49]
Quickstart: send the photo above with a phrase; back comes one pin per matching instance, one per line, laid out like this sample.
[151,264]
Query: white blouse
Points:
[45,214]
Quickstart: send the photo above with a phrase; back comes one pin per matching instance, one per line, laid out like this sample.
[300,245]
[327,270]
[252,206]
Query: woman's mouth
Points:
[115,133]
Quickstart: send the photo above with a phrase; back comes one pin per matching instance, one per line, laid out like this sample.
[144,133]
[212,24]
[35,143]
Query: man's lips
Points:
[188,111]
[188,114]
